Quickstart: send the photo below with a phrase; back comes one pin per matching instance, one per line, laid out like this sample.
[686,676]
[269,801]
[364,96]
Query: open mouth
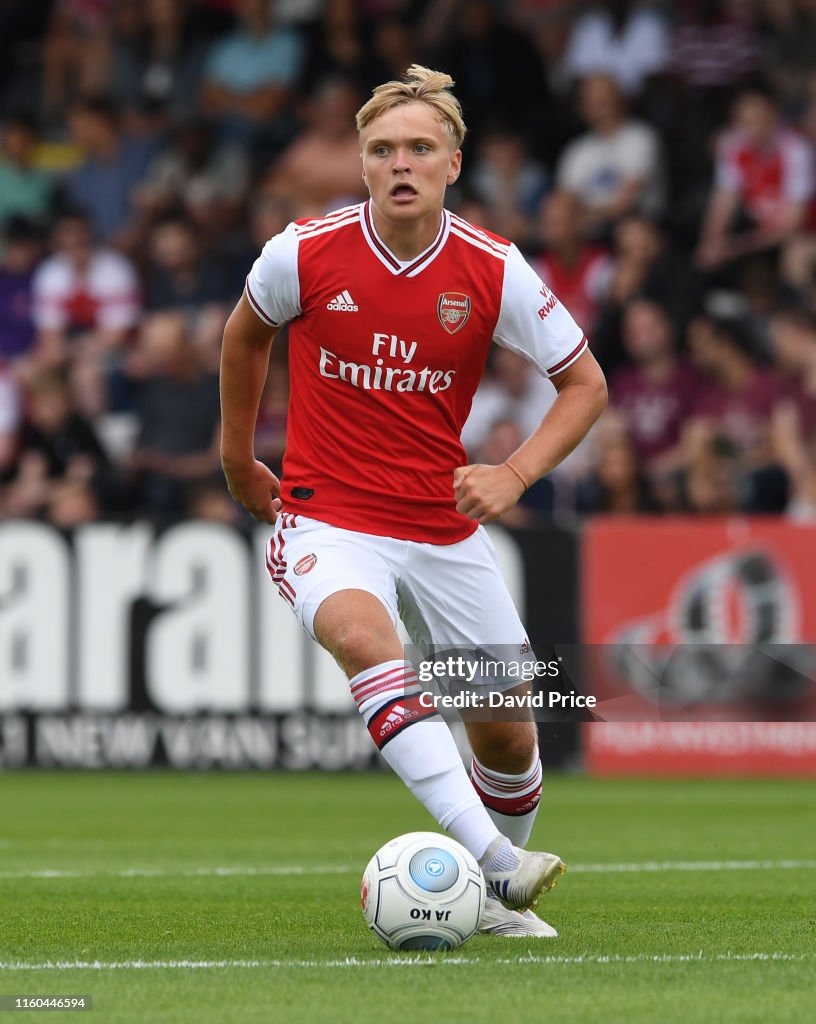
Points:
[403,191]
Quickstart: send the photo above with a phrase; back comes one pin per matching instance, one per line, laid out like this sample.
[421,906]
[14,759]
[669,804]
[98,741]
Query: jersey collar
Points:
[388,259]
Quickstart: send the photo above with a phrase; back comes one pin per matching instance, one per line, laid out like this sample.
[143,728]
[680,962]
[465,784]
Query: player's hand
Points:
[485,493]
[256,487]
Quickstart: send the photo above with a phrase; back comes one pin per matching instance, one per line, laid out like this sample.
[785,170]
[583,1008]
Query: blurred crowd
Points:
[654,161]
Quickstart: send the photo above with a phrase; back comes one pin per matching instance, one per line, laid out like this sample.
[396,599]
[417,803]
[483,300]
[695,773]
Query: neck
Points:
[407,239]
[105,149]
[569,252]
[659,367]
[734,374]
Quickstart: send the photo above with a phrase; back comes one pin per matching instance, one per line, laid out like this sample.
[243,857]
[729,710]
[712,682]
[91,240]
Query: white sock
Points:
[511,800]
[419,747]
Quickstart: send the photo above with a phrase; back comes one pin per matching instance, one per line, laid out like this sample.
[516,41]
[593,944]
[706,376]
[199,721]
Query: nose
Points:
[401,161]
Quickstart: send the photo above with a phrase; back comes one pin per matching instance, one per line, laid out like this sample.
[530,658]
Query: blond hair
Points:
[418,85]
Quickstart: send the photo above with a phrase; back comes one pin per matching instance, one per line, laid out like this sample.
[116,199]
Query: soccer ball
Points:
[423,891]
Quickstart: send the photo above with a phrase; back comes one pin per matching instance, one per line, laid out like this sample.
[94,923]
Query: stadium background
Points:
[136,625]
[149,149]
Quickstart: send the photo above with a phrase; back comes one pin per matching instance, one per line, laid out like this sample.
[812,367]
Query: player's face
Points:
[408,162]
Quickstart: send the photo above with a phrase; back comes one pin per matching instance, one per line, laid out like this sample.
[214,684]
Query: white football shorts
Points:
[447,595]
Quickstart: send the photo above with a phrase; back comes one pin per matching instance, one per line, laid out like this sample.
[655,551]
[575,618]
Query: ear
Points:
[455,168]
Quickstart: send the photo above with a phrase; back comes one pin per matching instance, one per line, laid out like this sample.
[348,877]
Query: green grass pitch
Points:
[235,898]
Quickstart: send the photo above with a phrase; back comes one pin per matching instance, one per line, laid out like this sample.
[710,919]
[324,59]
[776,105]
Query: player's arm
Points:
[485,493]
[244,364]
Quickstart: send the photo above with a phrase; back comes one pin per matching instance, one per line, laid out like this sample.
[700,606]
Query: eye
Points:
[422,148]
[380,150]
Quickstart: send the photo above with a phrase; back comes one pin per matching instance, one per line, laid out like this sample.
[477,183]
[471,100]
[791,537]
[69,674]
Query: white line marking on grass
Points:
[216,872]
[399,961]
[240,871]
[696,865]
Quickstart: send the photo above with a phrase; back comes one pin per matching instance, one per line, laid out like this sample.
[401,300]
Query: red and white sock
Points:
[511,800]
[418,745]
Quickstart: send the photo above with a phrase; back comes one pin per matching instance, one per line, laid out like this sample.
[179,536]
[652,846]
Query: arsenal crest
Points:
[453,309]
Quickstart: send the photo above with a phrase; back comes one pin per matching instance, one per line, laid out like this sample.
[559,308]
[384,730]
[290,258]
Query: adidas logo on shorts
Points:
[344,303]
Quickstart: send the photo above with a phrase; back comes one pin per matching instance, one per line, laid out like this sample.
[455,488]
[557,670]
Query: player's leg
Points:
[342,587]
[458,599]
[506,773]
[357,629]
[454,598]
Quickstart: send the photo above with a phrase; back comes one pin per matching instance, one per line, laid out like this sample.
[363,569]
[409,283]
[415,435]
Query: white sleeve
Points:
[797,186]
[533,323]
[272,286]
[641,153]
[9,406]
[117,288]
[726,171]
[49,293]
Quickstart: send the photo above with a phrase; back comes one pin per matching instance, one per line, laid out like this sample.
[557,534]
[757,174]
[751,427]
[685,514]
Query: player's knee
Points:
[509,748]
[361,645]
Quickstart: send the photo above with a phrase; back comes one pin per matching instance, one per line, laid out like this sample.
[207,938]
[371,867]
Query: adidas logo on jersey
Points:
[343,302]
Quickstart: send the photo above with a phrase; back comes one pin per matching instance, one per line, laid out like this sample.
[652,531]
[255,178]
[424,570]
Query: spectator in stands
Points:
[655,392]
[789,44]
[508,182]
[763,185]
[617,486]
[181,277]
[713,481]
[578,271]
[213,504]
[497,70]
[114,164]
[25,189]
[320,170]
[615,168]
[58,444]
[195,172]
[733,409]
[794,422]
[793,340]
[714,52]
[178,409]
[337,47]
[249,77]
[267,216]
[160,61]
[626,40]
[71,503]
[644,265]
[714,47]
[503,438]
[85,304]
[513,390]
[797,271]
[392,47]
[76,52]
[20,251]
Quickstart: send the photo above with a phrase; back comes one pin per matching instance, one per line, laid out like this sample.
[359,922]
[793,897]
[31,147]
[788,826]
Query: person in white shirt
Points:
[615,168]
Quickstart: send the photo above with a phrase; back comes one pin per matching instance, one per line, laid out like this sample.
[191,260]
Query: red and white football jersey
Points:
[766,179]
[384,358]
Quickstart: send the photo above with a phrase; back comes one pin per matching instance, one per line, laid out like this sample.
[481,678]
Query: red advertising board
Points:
[680,616]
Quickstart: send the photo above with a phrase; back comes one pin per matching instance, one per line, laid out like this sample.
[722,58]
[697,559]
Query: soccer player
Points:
[392,306]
